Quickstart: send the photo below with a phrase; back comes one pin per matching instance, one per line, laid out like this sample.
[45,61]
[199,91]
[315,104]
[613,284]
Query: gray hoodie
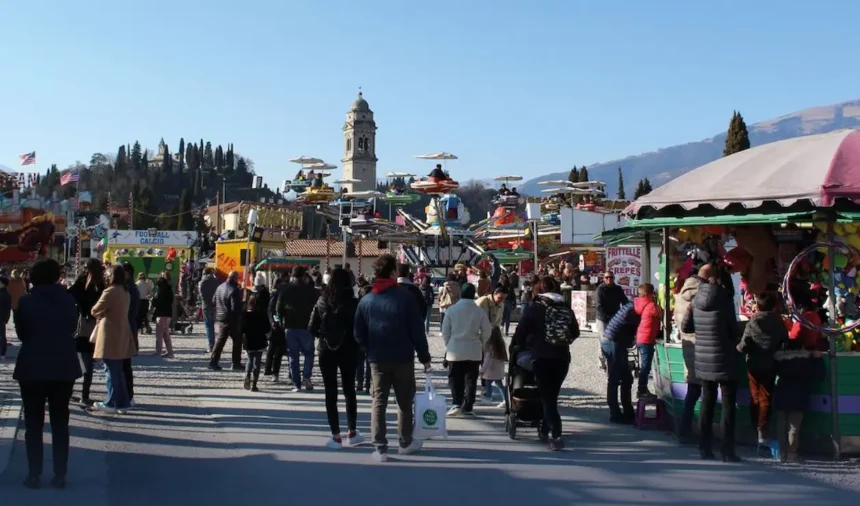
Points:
[682,303]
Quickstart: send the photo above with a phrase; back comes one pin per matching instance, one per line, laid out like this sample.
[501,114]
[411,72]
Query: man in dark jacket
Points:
[711,316]
[404,279]
[5,312]
[228,308]
[388,325]
[294,303]
[609,298]
[206,289]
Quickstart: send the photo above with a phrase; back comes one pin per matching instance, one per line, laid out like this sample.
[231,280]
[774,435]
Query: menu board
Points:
[579,306]
[626,263]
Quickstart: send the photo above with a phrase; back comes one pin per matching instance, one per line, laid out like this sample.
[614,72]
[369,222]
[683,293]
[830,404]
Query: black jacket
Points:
[255,326]
[162,302]
[86,297]
[763,336]
[5,305]
[416,292]
[343,325]
[294,303]
[711,316]
[228,302]
[46,321]
[207,287]
[531,331]
[609,301]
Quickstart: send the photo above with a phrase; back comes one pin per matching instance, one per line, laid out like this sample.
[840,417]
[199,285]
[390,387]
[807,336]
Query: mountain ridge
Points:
[665,164]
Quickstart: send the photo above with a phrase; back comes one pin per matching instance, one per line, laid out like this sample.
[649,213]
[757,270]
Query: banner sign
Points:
[626,263]
[149,238]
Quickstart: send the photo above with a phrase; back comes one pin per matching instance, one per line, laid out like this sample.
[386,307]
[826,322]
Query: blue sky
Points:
[509,86]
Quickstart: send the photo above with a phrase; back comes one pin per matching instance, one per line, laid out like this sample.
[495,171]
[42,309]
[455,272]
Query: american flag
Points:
[71,176]
[28,158]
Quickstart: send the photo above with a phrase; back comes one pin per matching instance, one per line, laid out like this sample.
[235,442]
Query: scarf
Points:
[380,285]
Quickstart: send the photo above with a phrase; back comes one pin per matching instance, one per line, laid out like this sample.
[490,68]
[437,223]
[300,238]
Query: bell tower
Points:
[359,137]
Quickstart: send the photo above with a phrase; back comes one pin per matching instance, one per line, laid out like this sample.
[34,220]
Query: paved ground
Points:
[198,438]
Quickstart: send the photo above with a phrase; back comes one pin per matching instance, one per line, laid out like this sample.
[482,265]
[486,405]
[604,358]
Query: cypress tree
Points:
[181,154]
[166,162]
[121,160]
[184,220]
[621,195]
[208,157]
[583,175]
[737,137]
[573,175]
[135,155]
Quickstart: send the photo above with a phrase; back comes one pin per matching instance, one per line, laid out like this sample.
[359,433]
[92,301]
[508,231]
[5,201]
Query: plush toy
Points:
[759,242]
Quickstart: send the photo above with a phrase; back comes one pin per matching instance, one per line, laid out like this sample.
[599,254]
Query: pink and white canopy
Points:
[815,168]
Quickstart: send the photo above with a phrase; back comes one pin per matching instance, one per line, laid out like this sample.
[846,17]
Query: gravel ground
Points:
[583,390]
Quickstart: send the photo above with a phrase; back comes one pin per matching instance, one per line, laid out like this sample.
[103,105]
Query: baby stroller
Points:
[186,316]
[522,400]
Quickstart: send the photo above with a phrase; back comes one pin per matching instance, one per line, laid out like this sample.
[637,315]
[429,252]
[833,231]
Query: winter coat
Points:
[162,301]
[495,312]
[495,272]
[763,336]
[449,295]
[294,303]
[344,325]
[415,292]
[808,337]
[112,336]
[47,344]
[465,329]
[608,300]
[798,375]
[5,306]
[17,288]
[390,327]
[531,330]
[682,303]
[133,306]
[649,320]
[228,302]
[711,316]
[429,295]
[207,287]
[623,326]
[255,326]
[85,296]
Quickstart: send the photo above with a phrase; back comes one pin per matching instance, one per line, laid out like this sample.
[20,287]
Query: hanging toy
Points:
[171,254]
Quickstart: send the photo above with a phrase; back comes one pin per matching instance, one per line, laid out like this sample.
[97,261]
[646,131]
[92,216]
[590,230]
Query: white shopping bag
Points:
[430,410]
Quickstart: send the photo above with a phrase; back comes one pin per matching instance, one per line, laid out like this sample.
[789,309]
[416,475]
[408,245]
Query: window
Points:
[348,145]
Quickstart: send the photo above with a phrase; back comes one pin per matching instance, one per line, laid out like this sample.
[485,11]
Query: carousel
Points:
[439,181]
[399,195]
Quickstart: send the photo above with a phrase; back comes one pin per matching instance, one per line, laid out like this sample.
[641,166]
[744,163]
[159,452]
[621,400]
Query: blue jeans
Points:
[427,321]
[488,392]
[646,358]
[209,322]
[619,379]
[506,315]
[300,341]
[117,392]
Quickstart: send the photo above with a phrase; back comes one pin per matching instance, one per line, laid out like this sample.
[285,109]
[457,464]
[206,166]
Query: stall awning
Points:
[275,264]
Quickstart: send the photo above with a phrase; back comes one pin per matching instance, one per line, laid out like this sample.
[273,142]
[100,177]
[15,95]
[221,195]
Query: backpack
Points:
[335,326]
[561,325]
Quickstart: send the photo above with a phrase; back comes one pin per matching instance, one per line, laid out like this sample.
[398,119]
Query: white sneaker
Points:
[355,440]
[380,457]
[454,411]
[331,444]
[413,447]
[296,389]
[501,405]
[104,408]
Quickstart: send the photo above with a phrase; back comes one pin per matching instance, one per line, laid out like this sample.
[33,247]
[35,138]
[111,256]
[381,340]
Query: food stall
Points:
[777,214]
[150,251]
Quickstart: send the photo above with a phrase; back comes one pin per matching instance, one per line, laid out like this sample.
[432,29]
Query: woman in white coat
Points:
[466,328]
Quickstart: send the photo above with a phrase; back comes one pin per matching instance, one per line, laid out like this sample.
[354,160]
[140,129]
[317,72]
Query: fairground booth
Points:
[785,215]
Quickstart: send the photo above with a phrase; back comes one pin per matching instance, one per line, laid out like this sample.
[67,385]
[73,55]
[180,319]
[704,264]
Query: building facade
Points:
[359,133]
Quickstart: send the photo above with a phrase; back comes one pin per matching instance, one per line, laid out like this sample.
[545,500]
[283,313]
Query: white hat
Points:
[260,279]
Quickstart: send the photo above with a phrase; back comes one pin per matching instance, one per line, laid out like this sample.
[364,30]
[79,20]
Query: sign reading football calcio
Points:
[626,263]
[149,238]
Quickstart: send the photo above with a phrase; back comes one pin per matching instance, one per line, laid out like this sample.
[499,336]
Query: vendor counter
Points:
[817,428]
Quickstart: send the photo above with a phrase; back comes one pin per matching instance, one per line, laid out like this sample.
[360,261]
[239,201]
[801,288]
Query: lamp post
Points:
[252,222]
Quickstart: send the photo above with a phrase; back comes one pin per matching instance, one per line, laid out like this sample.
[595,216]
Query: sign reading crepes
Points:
[625,262]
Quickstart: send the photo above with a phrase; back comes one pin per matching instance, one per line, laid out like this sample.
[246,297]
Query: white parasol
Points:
[437,156]
[509,179]
[306,160]
[399,174]
[346,180]
[320,166]
[558,182]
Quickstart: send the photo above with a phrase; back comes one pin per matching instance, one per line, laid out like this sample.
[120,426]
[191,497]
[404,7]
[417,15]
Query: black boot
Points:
[254,384]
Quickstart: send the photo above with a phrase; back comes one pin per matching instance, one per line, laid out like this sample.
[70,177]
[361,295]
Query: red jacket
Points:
[649,322]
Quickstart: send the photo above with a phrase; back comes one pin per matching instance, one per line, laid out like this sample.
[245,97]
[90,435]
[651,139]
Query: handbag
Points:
[86,325]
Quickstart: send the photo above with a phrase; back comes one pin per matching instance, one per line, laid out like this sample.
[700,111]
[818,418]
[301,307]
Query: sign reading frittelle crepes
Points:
[625,262]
